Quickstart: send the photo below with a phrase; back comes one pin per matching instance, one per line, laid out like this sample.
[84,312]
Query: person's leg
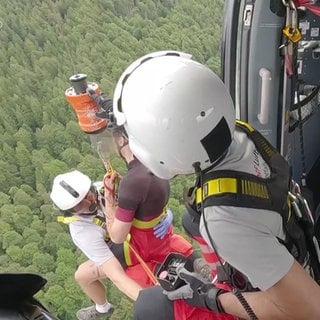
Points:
[88,276]
[153,304]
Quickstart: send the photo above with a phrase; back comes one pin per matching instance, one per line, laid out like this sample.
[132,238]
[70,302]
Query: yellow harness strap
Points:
[97,221]
[219,186]
[67,220]
[148,224]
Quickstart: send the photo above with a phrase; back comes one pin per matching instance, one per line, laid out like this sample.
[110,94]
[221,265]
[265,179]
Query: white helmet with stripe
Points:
[176,112]
[69,189]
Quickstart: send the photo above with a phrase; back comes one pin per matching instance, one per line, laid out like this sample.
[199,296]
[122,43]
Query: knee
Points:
[86,273]
[78,275]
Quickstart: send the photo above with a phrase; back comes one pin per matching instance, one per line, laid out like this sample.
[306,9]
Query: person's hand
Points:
[197,292]
[161,229]
[110,182]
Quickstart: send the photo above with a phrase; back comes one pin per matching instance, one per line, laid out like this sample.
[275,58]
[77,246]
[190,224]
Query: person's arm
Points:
[117,275]
[296,296]
[117,229]
[252,247]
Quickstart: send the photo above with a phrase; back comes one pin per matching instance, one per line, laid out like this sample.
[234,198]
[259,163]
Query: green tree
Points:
[22,198]
[11,238]
[21,217]
[25,164]
[28,251]
[44,262]
[4,199]
[24,136]
[8,176]
[15,253]
[72,157]
[31,236]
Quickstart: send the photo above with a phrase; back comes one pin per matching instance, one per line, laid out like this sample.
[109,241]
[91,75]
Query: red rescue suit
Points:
[142,244]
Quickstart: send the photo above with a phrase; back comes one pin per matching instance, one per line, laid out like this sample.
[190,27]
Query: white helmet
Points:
[69,189]
[176,112]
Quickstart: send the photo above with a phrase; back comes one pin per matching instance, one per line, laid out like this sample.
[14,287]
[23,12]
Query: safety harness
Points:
[240,189]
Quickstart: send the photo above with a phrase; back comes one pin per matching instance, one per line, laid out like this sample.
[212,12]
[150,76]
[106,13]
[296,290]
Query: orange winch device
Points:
[84,106]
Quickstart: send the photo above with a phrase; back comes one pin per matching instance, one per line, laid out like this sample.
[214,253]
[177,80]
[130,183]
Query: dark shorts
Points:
[118,251]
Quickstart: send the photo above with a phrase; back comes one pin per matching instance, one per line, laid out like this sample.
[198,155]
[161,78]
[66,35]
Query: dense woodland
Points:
[43,43]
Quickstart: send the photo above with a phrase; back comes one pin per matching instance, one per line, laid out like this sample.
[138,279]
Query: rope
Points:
[145,266]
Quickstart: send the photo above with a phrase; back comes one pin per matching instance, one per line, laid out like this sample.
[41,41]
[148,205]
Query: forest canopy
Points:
[43,43]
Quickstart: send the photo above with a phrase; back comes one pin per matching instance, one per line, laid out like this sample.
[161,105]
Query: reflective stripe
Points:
[140,224]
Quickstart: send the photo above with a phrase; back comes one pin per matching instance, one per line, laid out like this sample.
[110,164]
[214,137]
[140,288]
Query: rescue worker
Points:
[180,119]
[141,203]
[83,206]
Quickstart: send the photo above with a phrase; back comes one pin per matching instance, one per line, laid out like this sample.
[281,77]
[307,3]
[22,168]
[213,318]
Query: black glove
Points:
[197,292]
[103,101]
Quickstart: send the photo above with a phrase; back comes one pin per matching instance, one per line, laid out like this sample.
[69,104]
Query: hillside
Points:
[43,43]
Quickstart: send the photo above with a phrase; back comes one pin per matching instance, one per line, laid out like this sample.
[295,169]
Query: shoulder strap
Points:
[98,220]
[240,189]
[261,143]
[67,220]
